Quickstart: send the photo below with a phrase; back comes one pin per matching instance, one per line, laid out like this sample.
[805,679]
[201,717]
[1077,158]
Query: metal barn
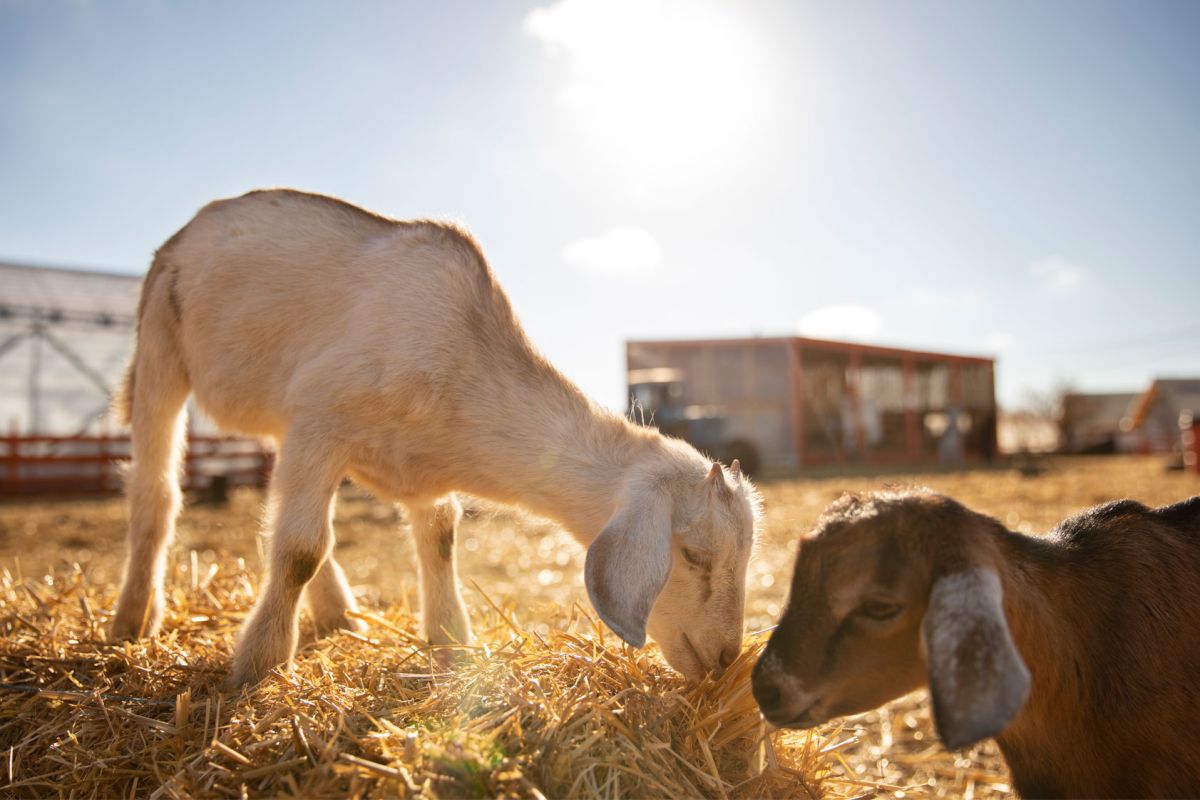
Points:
[782,404]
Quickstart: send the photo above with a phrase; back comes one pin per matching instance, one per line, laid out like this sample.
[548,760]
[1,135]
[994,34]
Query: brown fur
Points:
[1105,612]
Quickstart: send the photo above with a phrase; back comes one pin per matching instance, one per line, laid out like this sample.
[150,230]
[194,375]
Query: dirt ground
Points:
[534,567]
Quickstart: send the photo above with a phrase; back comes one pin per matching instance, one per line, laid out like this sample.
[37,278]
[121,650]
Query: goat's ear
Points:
[716,481]
[628,564]
[977,679]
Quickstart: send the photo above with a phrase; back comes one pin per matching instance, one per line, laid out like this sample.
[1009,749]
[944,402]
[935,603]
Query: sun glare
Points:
[660,82]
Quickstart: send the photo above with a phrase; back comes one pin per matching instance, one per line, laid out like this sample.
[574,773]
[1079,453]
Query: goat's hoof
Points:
[130,627]
[122,632]
[253,664]
[327,626]
[234,682]
[450,657]
[245,676]
[450,652]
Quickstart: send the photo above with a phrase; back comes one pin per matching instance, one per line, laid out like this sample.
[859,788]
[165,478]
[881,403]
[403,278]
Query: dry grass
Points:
[548,704]
[521,715]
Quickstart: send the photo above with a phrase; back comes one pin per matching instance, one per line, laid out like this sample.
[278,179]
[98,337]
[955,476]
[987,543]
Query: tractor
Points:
[656,399]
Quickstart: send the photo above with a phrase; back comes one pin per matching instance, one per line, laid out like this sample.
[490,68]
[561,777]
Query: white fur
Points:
[386,351]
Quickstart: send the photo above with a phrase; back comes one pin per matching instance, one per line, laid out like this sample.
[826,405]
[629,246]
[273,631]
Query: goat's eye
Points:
[878,610]
[696,558]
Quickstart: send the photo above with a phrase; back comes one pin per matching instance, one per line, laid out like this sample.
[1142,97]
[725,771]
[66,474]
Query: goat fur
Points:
[387,351]
[1097,624]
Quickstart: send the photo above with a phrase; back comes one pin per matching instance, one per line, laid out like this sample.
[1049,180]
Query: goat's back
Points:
[1127,706]
[1144,559]
[281,296]
[1140,568]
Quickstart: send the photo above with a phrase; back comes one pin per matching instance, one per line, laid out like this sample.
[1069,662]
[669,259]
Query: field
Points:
[547,705]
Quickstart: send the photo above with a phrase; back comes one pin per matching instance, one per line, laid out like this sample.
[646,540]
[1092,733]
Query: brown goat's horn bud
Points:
[736,468]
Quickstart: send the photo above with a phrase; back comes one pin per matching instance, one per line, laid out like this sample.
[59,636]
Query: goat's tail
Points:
[156,288]
[152,401]
[122,400]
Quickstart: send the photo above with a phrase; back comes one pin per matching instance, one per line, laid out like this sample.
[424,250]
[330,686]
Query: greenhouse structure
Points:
[65,338]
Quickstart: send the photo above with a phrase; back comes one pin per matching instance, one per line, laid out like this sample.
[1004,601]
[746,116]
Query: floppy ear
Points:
[976,676]
[628,564]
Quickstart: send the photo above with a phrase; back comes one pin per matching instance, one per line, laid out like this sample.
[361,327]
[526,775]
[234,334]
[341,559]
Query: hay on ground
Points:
[368,715]
[571,714]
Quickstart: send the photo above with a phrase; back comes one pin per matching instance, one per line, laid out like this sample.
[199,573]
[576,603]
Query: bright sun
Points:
[662,83]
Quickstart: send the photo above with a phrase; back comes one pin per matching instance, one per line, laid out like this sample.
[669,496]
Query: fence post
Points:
[103,463]
[1190,439]
[10,464]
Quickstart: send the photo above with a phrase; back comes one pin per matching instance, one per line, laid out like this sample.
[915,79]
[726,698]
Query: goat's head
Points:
[672,560]
[891,592]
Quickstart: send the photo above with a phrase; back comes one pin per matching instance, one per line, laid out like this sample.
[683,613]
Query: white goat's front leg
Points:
[303,487]
[329,598]
[442,607]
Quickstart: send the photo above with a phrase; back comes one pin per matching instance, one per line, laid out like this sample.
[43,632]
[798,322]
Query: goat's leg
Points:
[303,486]
[329,598]
[159,420]
[433,527]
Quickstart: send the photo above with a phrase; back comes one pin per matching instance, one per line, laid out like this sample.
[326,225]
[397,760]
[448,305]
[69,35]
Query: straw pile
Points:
[569,715]
[548,705]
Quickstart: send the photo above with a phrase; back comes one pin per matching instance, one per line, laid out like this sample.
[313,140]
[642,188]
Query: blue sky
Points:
[1016,178]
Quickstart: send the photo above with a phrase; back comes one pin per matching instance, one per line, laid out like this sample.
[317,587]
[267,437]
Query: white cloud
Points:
[593,32]
[999,342]
[1057,272]
[854,322]
[625,249]
[946,296]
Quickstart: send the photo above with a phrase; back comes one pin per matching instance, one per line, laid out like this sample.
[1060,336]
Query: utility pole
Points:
[35,373]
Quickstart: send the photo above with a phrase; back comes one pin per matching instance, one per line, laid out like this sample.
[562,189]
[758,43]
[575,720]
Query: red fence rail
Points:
[31,465]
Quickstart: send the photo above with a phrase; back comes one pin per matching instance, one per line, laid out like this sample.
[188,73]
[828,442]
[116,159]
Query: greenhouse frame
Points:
[65,338]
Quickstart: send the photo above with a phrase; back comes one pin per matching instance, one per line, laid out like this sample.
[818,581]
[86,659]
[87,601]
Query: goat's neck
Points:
[560,456]
[1044,595]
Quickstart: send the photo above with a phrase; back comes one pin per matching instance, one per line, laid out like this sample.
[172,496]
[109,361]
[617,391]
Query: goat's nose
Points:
[767,692]
[728,655]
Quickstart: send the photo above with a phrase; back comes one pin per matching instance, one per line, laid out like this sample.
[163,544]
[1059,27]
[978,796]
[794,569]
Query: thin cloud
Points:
[1057,272]
[999,342]
[848,321]
[624,249]
[592,32]
[925,296]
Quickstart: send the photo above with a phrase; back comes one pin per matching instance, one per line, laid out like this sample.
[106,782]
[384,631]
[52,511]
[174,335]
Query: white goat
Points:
[1078,651]
[386,351]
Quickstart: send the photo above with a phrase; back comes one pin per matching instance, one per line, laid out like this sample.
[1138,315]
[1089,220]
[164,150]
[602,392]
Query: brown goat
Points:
[1079,651]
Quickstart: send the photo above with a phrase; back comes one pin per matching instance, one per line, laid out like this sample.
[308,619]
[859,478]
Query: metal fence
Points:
[39,465]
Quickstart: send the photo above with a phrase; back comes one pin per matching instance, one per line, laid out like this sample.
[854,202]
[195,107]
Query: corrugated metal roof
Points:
[1184,393]
[1181,394]
[103,298]
[1097,408]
